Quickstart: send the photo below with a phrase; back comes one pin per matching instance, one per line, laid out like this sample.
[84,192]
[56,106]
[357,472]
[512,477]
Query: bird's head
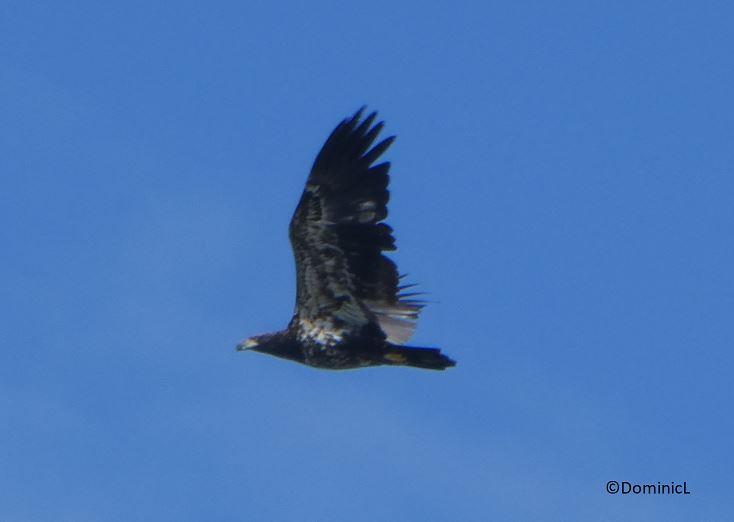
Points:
[279,344]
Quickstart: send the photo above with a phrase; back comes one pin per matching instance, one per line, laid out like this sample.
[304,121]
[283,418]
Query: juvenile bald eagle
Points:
[351,310]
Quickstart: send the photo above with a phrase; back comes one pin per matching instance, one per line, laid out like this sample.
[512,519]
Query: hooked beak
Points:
[245,345]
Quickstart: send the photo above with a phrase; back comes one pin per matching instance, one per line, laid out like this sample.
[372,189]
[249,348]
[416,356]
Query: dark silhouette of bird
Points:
[351,309]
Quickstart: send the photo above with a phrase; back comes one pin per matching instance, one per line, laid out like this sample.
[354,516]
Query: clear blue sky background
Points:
[562,186]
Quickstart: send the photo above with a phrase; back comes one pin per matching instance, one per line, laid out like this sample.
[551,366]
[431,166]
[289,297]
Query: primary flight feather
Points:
[351,309]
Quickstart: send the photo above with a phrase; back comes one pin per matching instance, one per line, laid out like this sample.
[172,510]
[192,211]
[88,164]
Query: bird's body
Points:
[351,310]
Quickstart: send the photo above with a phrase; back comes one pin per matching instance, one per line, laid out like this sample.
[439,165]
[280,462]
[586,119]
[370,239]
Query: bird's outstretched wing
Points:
[337,234]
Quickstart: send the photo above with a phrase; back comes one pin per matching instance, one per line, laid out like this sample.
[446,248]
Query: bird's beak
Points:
[247,344]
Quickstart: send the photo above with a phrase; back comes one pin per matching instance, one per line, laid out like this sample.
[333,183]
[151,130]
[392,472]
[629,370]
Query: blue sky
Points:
[562,186]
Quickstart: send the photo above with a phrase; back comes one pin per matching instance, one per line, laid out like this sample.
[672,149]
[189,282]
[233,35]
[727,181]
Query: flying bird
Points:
[352,310]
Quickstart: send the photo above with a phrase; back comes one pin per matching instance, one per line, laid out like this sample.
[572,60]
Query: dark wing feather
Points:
[338,237]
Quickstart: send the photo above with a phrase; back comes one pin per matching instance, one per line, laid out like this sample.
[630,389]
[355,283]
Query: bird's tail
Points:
[427,358]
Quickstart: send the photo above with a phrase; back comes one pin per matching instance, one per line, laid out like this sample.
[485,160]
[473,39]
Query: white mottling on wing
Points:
[320,331]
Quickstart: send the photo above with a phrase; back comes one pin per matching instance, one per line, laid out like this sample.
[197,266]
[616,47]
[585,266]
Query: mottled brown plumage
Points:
[351,310]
